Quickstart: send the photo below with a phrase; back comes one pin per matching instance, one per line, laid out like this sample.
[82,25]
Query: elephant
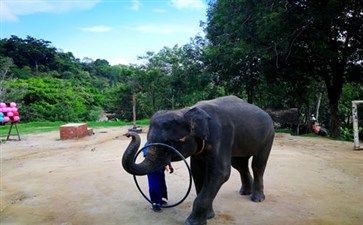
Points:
[216,134]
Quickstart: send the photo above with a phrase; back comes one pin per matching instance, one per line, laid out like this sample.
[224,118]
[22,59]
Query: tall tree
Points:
[28,52]
[334,37]
[231,53]
[5,64]
[298,42]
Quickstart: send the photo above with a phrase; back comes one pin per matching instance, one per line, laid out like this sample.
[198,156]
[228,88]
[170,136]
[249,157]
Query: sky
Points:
[116,30]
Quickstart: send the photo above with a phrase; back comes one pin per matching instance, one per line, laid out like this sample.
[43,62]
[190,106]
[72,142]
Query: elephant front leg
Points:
[202,208]
[199,213]
[207,188]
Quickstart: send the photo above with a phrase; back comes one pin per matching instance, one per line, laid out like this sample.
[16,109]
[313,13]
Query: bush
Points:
[346,133]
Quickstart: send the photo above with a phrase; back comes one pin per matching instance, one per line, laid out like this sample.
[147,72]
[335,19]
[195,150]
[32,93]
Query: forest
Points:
[275,54]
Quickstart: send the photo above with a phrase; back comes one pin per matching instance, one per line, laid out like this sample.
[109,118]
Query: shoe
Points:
[165,202]
[156,207]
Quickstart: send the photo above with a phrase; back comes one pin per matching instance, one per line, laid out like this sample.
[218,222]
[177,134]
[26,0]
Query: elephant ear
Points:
[198,120]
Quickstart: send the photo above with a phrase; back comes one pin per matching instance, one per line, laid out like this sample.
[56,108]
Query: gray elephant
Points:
[216,134]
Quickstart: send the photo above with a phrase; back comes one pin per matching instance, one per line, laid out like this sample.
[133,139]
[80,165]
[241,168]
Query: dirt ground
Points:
[45,180]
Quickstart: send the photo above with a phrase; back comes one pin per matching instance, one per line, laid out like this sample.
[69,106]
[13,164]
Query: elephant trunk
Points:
[149,164]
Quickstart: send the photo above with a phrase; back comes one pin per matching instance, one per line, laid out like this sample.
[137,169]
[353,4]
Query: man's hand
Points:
[171,169]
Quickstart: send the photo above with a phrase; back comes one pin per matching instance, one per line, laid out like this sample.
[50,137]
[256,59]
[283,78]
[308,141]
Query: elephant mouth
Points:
[192,146]
[158,153]
[201,146]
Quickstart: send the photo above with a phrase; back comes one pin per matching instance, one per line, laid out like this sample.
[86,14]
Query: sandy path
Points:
[48,181]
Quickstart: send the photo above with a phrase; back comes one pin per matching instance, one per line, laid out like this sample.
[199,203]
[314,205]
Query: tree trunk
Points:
[334,120]
[334,87]
[36,68]
[318,106]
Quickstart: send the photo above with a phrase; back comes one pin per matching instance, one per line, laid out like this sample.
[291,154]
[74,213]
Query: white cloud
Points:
[6,14]
[188,4]
[135,5]
[96,29]
[12,10]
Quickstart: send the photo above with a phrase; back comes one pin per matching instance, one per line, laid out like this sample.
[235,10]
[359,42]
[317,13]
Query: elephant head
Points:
[186,130]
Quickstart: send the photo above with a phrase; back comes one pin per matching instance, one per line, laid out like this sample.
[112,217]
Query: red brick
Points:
[73,131]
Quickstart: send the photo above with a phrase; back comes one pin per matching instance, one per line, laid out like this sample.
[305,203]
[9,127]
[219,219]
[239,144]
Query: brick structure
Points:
[74,131]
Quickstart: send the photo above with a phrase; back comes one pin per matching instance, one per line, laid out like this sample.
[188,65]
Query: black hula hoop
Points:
[182,157]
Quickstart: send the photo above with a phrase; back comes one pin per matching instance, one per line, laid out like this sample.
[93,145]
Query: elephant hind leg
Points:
[259,162]
[241,165]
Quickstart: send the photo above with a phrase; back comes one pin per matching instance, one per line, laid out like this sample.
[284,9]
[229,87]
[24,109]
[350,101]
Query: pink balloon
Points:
[10,114]
[6,119]
[16,118]
[1,109]
[12,104]
[2,105]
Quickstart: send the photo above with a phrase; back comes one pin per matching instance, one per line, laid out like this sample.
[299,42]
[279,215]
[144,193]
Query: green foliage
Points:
[54,100]
[293,45]
[275,54]
[29,52]
[346,134]
[173,78]
[118,100]
[5,74]
[350,92]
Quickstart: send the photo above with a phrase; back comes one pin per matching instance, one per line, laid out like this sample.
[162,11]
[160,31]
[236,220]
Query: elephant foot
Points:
[245,191]
[191,221]
[210,214]
[255,197]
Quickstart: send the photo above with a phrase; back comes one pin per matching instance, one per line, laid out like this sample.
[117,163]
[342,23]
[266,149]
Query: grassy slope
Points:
[39,127]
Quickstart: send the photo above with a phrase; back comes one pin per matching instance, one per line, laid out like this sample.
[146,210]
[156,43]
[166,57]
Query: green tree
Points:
[118,100]
[5,74]
[231,53]
[46,98]
[28,52]
[298,42]
[174,77]
[65,62]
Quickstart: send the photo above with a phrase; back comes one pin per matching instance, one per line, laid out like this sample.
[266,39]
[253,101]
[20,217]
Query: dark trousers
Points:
[157,186]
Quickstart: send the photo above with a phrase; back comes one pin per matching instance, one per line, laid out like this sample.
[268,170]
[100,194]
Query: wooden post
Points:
[17,131]
[134,127]
[355,123]
[134,110]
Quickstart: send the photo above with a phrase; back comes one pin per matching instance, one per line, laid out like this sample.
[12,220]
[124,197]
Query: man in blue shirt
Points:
[157,186]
